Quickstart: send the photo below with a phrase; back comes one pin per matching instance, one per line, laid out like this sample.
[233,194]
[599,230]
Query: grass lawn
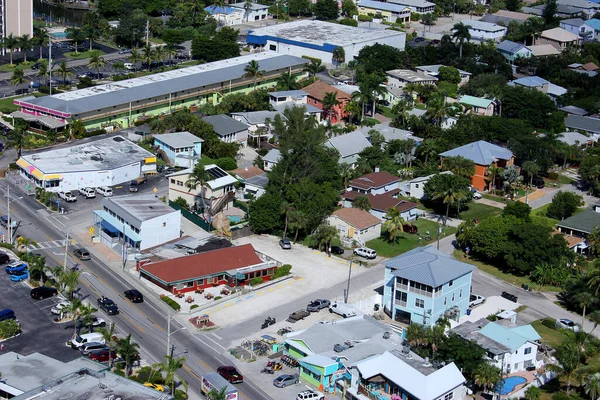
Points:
[81,54]
[479,211]
[386,112]
[539,217]
[11,67]
[564,180]
[409,241]
[515,280]
[7,106]
[552,337]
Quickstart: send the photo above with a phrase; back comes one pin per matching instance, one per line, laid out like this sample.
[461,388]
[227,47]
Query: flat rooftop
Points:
[411,76]
[141,208]
[320,33]
[179,80]
[103,154]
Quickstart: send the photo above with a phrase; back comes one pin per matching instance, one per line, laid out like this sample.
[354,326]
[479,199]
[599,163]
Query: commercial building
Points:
[16,18]
[104,162]
[232,266]
[136,221]
[181,149]
[424,284]
[120,104]
[389,12]
[318,39]
[418,6]
[226,16]
[228,130]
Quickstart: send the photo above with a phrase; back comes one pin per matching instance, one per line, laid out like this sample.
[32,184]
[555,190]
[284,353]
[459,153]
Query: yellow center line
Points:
[132,323]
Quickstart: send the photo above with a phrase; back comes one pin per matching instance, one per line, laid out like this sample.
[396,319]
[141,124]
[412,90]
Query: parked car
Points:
[43,292]
[539,183]
[105,191]
[134,296]
[310,395]
[285,244]
[91,346]
[565,323]
[7,314]
[366,253]
[124,51]
[156,386]
[80,340]
[108,305]
[4,258]
[410,228]
[95,321]
[477,195]
[285,380]
[317,305]
[337,250]
[129,66]
[82,254]
[60,307]
[16,267]
[102,355]
[475,300]
[88,193]
[67,196]
[19,276]
[133,186]
[34,85]
[230,374]
[342,309]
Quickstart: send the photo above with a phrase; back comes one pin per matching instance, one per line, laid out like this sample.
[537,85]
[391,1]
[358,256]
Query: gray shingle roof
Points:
[587,124]
[480,152]
[573,137]
[349,144]
[574,110]
[509,46]
[584,221]
[224,125]
[273,156]
[428,266]
[577,22]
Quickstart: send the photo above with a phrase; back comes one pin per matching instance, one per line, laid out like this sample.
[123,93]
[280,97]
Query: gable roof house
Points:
[228,129]
[389,133]
[513,51]
[584,124]
[484,155]
[389,11]
[377,182]
[482,31]
[559,38]
[479,105]
[544,86]
[593,25]
[398,78]
[348,146]
[355,224]
[578,26]
[271,159]
[182,149]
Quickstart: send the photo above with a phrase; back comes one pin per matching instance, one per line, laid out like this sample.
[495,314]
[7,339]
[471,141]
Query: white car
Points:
[60,307]
[88,193]
[105,191]
[477,195]
[342,309]
[366,253]
[565,323]
[475,300]
[310,395]
[67,196]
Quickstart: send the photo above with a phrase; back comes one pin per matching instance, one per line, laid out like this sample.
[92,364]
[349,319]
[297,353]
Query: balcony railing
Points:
[400,303]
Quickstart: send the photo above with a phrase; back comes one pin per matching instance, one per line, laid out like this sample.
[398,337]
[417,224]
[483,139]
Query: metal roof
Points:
[257,117]
[475,101]
[137,208]
[593,23]
[253,6]
[428,266]
[435,69]
[480,152]
[132,90]
[178,139]
[289,93]
[587,124]
[574,110]
[273,156]
[484,26]
[349,144]
[574,138]
[380,5]
[577,22]
[224,125]
[510,47]
[510,338]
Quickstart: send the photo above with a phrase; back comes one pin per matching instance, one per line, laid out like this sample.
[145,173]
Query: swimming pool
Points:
[59,35]
[234,218]
[509,384]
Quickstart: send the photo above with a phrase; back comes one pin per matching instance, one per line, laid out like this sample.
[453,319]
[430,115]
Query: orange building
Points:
[484,155]
[316,93]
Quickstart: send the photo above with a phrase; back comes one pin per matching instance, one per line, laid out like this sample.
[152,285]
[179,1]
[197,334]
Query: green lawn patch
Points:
[479,211]
[409,241]
[493,197]
[565,180]
[7,106]
[552,337]
[386,112]
[82,54]
[206,160]
[11,67]
[510,278]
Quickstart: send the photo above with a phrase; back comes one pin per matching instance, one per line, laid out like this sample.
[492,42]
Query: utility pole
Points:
[169,331]
[50,64]
[147,32]
[347,294]
[8,206]
[66,250]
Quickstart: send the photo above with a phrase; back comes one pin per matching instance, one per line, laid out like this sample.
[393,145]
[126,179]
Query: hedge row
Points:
[172,303]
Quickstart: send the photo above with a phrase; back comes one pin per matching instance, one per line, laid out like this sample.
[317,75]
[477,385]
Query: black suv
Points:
[134,296]
[43,292]
[108,305]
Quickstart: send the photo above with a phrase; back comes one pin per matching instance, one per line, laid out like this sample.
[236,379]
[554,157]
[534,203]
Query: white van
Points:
[80,340]
[129,66]
[105,191]
[342,309]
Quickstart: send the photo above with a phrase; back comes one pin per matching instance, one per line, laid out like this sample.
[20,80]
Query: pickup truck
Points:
[298,315]
[108,305]
[67,196]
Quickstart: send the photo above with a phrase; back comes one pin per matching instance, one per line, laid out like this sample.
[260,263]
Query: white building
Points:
[418,6]
[355,224]
[318,39]
[398,78]
[255,12]
[226,15]
[182,149]
[414,187]
[105,162]
[271,159]
[229,130]
[482,31]
[138,221]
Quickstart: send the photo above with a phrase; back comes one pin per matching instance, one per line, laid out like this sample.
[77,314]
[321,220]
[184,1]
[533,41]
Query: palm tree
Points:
[129,351]
[64,71]
[198,177]
[533,393]
[352,110]
[360,98]
[393,224]
[298,220]
[43,72]
[585,299]
[92,26]
[486,376]
[286,82]
[148,55]
[109,340]
[37,268]
[461,34]
[286,209]
[313,68]
[593,278]
[362,203]
[170,51]
[401,116]
[215,394]
[247,8]
[449,195]
[493,173]
[593,240]
[592,386]
[76,35]
[86,312]
[371,86]
[119,66]
[531,169]
[68,280]
[329,101]
[170,366]
[159,54]
[97,61]
[568,355]
[510,177]
[135,56]
[324,235]
[73,309]
[40,38]
[252,70]
[339,55]
[18,134]
[25,42]
[18,76]
[11,42]
[438,109]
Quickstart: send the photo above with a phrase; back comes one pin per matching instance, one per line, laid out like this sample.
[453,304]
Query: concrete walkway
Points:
[491,203]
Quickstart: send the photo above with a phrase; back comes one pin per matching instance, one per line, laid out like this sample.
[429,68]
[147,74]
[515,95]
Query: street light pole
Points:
[66,250]
[8,206]
[347,294]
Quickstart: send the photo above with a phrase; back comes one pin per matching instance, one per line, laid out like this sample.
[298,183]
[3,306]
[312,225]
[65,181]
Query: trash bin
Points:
[468,311]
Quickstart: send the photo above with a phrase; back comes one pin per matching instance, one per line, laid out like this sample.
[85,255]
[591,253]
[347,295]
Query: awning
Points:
[150,160]
[37,173]
[111,229]
[50,177]
[22,163]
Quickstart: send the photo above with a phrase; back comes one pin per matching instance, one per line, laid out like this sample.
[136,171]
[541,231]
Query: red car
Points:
[410,228]
[102,355]
[230,374]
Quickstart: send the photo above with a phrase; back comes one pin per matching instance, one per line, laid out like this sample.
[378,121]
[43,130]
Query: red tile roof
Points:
[360,219]
[248,172]
[319,88]
[374,180]
[203,264]
[589,67]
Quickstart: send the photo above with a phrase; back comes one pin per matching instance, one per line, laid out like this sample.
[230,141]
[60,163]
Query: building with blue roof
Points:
[510,347]
[513,50]
[484,155]
[593,25]
[424,284]
[535,82]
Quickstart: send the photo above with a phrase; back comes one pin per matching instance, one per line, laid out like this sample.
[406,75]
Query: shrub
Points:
[282,271]
[181,202]
[13,165]
[172,303]
[365,18]
[312,58]
[549,323]
[218,298]
[553,176]
[180,395]
[226,163]
[256,281]
[7,246]
[96,132]
[492,317]
[194,306]
[9,328]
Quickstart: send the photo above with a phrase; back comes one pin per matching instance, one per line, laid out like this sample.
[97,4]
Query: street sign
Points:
[155,190]
[91,230]
[29,186]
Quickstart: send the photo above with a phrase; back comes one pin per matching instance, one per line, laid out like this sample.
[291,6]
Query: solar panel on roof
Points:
[217,173]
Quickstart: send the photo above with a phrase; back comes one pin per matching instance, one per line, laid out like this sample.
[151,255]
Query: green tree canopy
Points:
[564,205]
[326,10]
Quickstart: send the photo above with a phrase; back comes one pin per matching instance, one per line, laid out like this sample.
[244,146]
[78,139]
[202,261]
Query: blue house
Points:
[181,148]
[424,284]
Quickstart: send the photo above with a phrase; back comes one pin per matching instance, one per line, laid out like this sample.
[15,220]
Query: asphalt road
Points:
[147,322]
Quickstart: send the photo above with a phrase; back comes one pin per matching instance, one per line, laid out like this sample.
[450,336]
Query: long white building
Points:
[104,162]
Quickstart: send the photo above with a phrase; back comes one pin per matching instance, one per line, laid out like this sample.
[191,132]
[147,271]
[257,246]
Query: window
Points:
[200,282]
[420,303]
[445,300]
[460,293]
[528,350]
[400,296]
[451,283]
[273,47]
[211,280]
[449,396]
[190,284]
[453,296]
[164,224]
[172,180]
[416,185]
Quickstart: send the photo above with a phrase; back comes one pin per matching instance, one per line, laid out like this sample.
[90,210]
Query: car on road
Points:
[230,374]
[61,307]
[16,267]
[129,66]
[337,250]
[366,253]
[124,51]
[37,65]
[342,309]
[134,296]
[4,221]
[310,395]
[134,186]
[94,321]
[419,39]
[285,380]
[88,193]
[317,305]
[34,85]
[82,254]
[565,323]
[102,355]
[285,244]
[67,196]
[19,276]
[475,300]
[43,292]
[109,306]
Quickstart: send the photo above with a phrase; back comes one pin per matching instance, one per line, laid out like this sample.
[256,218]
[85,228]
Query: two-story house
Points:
[294,98]
[229,130]
[509,347]
[218,191]
[484,155]
[316,95]
[424,284]
[478,105]
[482,31]
[513,51]
[182,149]
[377,182]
